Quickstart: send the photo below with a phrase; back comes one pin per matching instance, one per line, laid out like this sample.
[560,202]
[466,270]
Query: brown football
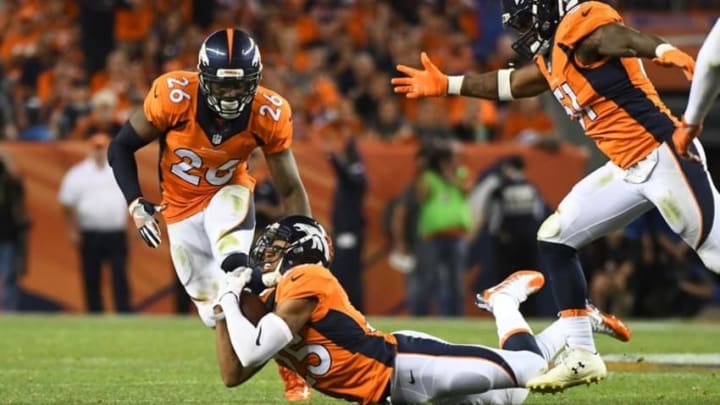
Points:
[252,306]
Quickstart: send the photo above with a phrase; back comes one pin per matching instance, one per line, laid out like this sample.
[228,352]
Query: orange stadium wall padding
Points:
[54,274]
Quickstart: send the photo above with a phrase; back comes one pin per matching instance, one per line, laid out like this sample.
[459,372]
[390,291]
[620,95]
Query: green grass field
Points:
[154,360]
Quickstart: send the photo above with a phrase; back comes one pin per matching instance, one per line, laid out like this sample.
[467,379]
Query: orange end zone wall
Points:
[53,262]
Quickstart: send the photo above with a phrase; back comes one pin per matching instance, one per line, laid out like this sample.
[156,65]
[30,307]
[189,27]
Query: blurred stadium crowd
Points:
[72,69]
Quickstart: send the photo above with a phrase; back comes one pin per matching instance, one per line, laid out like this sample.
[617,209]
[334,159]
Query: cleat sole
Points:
[555,388]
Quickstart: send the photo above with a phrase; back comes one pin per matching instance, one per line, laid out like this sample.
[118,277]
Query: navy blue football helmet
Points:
[535,21]
[230,71]
[306,242]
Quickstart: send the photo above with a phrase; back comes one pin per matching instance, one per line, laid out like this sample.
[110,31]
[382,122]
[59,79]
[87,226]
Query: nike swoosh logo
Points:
[257,340]
[296,277]
[412,378]
[586,12]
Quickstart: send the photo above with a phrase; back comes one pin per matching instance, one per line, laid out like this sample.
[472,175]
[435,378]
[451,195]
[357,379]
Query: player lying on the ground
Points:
[314,330]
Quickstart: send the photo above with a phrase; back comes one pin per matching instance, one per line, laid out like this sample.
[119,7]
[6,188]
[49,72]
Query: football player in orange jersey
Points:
[207,123]
[592,64]
[313,329]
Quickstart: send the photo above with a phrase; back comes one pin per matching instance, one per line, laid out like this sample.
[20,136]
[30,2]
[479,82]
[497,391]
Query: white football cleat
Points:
[517,285]
[607,324]
[574,367]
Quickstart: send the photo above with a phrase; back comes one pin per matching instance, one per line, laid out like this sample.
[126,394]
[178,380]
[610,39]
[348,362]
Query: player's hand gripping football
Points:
[143,214]
[683,137]
[234,282]
[421,83]
[675,57]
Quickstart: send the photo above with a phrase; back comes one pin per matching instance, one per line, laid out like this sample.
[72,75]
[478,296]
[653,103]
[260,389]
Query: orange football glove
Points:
[683,137]
[430,82]
[675,57]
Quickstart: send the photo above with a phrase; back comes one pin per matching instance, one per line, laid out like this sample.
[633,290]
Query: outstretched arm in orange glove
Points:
[503,84]
[430,82]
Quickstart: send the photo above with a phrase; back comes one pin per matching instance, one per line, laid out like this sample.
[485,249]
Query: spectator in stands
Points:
[527,122]
[473,120]
[390,125]
[77,107]
[97,25]
[37,128]
[133,22]
[13,234]
[102,117]
[431,125]
[96,216]
[19,42]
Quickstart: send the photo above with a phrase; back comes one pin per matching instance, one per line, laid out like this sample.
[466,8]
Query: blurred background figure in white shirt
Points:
[96,216]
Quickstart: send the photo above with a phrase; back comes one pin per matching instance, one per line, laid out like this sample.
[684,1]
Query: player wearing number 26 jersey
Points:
[207,123]
[198,156]
[591,62]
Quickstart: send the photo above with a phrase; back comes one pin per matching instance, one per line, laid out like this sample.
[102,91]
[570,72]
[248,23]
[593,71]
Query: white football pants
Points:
[200,243]
[610,198]
[429,369]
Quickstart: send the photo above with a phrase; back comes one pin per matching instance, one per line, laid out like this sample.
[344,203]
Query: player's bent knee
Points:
[550,228]
[555,228]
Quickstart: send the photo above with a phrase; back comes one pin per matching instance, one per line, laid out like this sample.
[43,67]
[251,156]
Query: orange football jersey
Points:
[337,352]
[199,153]
[612,99]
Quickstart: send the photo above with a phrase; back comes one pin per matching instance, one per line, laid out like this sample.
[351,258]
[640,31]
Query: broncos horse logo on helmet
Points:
[535,21]
[289,242]
[230,71]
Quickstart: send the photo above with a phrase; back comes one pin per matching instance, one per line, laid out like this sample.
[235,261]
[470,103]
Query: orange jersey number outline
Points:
[177,94]
[294,354]
[190,160]
[575,111]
